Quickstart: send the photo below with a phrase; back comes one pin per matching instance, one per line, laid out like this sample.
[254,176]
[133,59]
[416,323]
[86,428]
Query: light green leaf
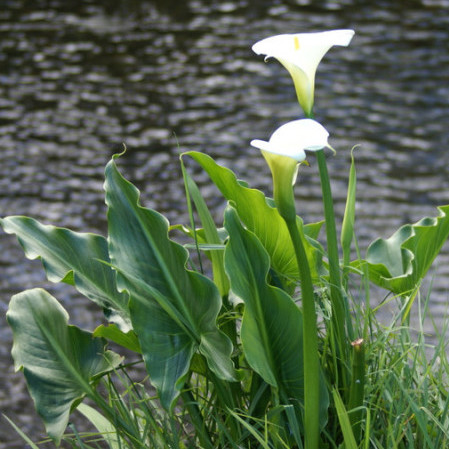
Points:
[210,232]
[128,339]
[262,439]
[400,262]
[22,434]
[200,235]
[73,258]
[173,310]
[347,229]
[262,218]
[344,421]
[59,361]
[104,426]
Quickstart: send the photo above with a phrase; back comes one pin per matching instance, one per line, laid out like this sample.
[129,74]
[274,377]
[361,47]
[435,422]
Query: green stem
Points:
[310,341]
[228,397]
[124,429]
[337,299]
[357,389]
[197,419]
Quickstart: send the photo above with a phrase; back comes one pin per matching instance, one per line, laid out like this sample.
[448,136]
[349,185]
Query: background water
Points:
[80,78]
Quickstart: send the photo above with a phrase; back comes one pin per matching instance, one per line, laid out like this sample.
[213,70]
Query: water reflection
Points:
[79,79]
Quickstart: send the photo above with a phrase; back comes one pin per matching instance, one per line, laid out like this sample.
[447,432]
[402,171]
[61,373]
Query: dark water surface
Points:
[80,78]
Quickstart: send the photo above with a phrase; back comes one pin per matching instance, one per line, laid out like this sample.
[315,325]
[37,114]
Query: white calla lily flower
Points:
[284,151]
[300,54]
[294,138]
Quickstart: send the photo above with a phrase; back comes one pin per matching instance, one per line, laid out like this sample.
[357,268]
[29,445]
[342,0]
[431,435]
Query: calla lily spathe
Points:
[294,138]
[284,151]
[300,54]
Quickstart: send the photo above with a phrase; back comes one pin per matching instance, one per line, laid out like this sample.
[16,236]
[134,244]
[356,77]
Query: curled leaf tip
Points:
[117,155]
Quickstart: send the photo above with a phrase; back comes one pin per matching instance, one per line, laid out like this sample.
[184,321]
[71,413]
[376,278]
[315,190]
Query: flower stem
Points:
[310,341]
[337,298]
[338,304]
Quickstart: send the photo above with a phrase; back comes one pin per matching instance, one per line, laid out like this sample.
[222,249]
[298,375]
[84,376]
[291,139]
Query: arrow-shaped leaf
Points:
[272,323]
[173,310]
[73,258]
[59,361]
[271,329]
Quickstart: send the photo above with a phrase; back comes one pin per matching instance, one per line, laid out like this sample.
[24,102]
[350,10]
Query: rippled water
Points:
[79,79]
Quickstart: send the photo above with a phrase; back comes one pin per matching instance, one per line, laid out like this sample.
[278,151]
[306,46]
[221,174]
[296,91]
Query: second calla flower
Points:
[300,54]
[293,138]
[284,151]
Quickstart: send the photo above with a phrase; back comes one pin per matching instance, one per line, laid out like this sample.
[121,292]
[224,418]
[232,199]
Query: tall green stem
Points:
[284,171]
[337,299]
[310,341]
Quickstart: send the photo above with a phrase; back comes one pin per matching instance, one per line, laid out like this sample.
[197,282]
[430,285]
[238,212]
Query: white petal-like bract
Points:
[294,138]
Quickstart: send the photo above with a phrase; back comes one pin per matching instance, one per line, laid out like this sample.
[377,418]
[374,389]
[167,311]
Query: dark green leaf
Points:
[272,323]
[73,258]
[173,310]
[271,331]
[59,361]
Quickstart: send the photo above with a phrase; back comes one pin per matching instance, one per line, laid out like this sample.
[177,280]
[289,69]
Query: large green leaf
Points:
[271,329]
[73,258]
[272,323]
[59,361]
[400,262]
[173,310]
[262,218]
